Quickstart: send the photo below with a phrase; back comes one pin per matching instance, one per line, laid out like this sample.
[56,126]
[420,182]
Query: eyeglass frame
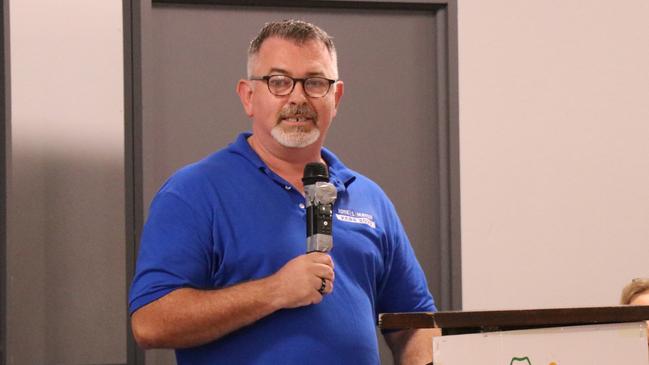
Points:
[295,81]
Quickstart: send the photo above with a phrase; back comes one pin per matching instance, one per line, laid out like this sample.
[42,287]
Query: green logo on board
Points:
[519,360]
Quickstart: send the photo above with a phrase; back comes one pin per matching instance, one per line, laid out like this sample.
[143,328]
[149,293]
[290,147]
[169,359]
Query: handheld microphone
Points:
[320,196]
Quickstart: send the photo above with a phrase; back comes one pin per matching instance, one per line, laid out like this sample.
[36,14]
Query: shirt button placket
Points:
[290,188]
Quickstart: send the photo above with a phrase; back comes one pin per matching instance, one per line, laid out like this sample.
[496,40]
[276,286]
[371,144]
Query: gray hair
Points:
[635,287]
[297,31]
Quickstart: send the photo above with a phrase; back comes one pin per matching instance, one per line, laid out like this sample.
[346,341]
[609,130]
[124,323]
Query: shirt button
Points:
[301,206]
[287,187]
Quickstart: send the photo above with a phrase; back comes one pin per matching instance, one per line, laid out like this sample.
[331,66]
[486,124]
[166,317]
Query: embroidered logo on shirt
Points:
[346,215]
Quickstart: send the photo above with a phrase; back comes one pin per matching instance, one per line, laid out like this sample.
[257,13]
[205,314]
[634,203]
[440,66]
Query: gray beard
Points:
[296,137]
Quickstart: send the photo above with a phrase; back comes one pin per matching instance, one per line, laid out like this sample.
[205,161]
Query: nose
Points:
[298,95]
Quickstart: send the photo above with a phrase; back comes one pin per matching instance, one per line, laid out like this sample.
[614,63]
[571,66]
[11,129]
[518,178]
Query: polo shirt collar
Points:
[241,147]
[340,175]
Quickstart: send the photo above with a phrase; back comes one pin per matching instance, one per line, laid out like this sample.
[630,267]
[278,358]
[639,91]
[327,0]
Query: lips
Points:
[297,114]
[297,119]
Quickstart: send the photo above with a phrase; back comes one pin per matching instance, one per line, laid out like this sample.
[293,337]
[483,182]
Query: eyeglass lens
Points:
[313,86]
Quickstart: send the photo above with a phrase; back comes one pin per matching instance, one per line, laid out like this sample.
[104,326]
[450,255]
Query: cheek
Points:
[326,110]
[266,110]
[324,118]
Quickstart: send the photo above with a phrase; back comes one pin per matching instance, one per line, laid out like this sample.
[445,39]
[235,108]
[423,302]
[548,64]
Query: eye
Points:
[279,82]
[317,83]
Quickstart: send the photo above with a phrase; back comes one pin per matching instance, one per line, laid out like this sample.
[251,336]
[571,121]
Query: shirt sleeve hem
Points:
[143,300]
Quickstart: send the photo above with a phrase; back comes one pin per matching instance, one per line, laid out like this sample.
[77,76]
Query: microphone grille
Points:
[313,172]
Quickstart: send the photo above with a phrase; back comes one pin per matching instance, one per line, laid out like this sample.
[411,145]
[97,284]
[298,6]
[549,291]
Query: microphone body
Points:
[320,196]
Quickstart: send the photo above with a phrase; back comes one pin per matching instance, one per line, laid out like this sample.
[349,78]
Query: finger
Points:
[329,287]
[321,258]
[320,285]
[316,283]
[324,271]
[317,298]
[323,287]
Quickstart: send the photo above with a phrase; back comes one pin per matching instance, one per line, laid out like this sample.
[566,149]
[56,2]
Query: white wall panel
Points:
[554,126]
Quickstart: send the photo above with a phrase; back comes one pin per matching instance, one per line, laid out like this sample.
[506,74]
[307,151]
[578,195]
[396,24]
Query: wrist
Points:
[272,296]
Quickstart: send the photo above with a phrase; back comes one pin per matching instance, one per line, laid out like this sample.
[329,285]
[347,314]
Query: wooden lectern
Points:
[564,336]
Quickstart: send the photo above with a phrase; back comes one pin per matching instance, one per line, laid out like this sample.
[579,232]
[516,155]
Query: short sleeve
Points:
[175,251]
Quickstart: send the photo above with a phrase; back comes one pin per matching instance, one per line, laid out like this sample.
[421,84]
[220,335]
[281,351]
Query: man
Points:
[223,276]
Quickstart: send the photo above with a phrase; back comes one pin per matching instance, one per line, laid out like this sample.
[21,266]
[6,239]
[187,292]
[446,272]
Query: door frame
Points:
[445,12]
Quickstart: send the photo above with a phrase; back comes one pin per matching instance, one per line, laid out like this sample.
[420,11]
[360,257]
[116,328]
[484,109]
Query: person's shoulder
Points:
[204,172]
[352,179]
[366,185]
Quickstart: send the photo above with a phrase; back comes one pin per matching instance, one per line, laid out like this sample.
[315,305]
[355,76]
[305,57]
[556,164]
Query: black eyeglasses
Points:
[282,85]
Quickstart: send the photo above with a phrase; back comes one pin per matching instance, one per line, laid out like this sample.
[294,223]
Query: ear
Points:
[339,90]
[245,91]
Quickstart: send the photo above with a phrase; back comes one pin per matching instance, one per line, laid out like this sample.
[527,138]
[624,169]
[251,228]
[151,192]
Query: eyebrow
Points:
[277,70]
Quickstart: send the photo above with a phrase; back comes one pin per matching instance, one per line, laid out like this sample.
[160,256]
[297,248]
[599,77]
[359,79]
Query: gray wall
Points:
[5,108]
[66,290]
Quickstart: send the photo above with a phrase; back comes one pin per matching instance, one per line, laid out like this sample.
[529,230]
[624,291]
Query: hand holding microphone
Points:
[299,282]
[306,279]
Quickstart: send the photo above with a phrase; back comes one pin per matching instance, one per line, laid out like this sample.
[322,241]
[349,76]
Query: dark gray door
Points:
[388,126]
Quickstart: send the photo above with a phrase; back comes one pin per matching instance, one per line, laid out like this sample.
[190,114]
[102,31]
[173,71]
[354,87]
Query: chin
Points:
[295,139]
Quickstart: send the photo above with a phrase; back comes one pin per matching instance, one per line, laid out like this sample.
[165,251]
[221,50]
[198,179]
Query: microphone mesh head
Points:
[314,172]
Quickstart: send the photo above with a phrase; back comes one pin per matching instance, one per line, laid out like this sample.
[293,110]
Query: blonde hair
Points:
[635,287]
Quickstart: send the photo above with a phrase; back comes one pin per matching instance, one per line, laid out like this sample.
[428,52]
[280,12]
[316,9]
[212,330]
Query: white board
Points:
[618,343]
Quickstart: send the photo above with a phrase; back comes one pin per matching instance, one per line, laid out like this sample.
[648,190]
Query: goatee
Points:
[296,136]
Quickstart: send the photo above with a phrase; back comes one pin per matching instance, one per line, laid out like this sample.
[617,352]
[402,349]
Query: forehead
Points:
[641,298]
[296,59]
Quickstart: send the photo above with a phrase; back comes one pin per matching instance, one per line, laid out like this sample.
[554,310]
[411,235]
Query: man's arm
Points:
[412,347]
[190,317]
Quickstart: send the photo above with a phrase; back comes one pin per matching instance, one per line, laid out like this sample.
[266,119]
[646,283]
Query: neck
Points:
[287,162]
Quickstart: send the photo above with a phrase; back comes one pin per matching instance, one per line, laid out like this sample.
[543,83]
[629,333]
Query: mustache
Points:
[298,111]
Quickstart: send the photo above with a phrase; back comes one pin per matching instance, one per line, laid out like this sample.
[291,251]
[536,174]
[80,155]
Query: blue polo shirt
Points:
[228,219]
